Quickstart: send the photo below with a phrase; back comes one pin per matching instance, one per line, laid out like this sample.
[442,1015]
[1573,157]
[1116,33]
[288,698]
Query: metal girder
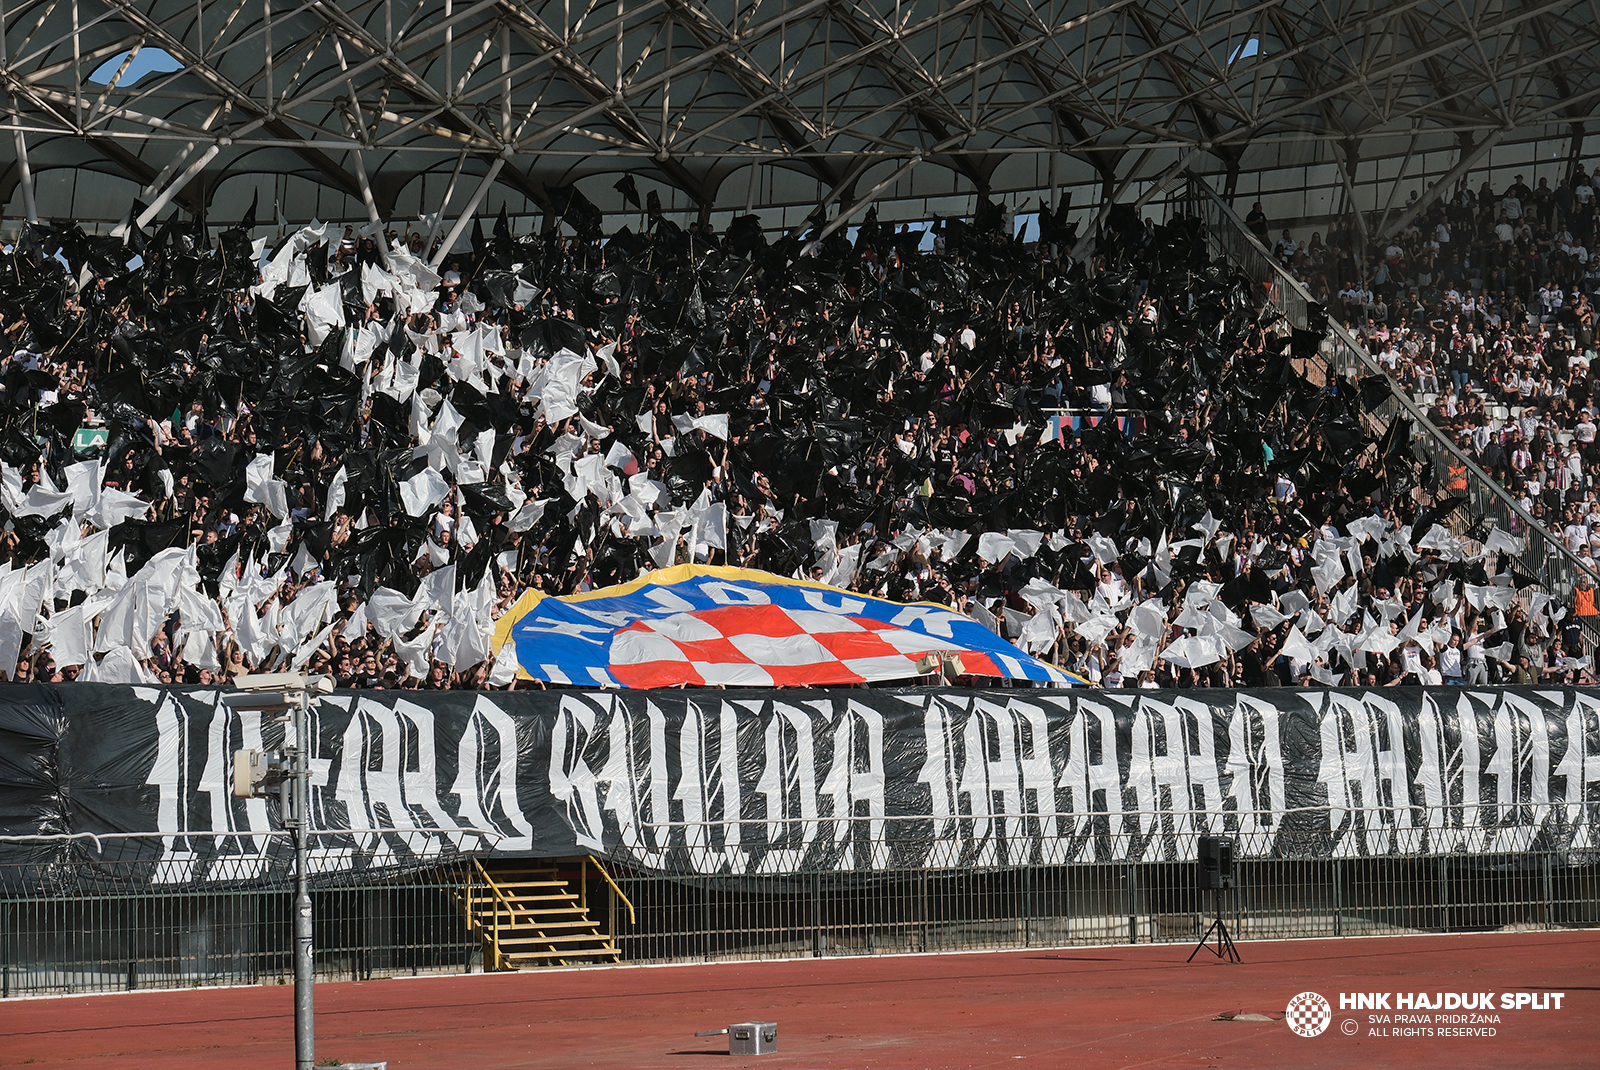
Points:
[196,64]
[796,130]
[1103,160]
[359,97]
[1180,78]
[911,96]
[141,172]
[1435,190]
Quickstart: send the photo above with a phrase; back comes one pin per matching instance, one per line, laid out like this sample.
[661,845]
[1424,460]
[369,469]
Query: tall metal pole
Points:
[305,1033]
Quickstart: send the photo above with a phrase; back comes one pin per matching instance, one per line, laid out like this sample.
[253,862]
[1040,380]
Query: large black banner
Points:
[738,782]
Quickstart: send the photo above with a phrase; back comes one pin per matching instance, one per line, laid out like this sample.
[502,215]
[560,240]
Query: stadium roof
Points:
[363,109]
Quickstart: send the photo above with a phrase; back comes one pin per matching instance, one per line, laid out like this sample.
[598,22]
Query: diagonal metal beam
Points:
[583,78]
[140,171]
[197,65]
[780,113]
[1433,192]
[1180,78]
[934,126]
[1103,160]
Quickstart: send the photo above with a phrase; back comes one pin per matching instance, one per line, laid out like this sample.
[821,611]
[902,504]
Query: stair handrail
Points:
[632,918]
[498,894]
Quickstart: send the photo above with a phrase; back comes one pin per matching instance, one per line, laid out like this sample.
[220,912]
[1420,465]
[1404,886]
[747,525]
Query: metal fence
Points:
[1099,879]
[85,924]
[1095,899]
[718,918]
[1544,555]
[179,937]
[112,913]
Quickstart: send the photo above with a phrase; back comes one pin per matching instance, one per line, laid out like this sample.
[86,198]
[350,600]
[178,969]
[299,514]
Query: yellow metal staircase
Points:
[528,913]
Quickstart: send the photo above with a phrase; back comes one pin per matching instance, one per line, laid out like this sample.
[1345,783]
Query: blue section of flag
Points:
[568,640]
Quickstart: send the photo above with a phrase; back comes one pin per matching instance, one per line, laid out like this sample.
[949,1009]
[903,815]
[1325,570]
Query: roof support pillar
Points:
[444,205]
[1347,158]
[467,213]
[366,188]
[174,187]
[860,202]
[24,173]
[1442,187]
[1161,182]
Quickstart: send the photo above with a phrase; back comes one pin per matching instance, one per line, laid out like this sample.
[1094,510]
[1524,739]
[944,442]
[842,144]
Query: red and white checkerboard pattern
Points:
[766,645]
[1309,1014]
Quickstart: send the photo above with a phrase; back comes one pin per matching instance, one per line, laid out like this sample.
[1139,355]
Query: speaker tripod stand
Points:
[1224,948]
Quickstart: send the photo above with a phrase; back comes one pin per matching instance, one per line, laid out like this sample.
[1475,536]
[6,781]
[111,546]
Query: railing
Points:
[87,913]
[713,918]
[998,881]
[1544,555]
[118,931]
[995,881]
[617,893]
[474,875]
[1410,870]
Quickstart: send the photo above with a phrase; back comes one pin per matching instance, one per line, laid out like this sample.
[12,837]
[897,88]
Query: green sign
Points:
[88,438]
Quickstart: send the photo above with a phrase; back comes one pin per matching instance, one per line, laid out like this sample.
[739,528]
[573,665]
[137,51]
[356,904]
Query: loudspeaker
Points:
[1215,871]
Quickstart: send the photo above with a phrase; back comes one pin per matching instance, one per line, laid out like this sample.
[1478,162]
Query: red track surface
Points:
[1086,1007]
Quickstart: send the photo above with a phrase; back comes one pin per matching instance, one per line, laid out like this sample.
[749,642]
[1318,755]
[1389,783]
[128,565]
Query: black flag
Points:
[630,192]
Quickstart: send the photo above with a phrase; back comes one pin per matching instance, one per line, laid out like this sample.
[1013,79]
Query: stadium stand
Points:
[323,452]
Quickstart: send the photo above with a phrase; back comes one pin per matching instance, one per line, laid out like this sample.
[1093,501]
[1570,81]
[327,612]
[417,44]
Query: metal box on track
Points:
[752,1038]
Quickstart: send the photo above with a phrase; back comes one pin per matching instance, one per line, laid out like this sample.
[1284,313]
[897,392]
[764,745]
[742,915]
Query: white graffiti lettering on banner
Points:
[1376,805]
[381,772]
[789,784]
[1003,781]
[809,801]
[776,783]
[1580,765]
[487,760]
[1004,768]
[204,802]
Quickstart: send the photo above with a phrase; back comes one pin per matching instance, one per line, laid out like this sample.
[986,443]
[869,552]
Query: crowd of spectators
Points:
[1483,309]
[326,449]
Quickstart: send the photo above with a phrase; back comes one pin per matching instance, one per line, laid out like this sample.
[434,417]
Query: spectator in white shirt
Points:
[1577,536]
[1451,668]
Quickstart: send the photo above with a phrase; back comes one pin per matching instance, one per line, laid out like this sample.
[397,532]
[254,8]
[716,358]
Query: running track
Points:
[1120,1007]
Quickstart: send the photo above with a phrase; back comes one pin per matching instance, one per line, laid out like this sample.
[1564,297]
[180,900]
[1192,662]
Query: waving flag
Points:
[700,626]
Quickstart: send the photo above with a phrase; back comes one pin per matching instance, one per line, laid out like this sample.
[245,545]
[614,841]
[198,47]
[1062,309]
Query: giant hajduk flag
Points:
[699,626]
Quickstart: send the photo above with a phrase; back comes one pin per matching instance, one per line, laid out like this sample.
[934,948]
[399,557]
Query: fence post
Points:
[1239,887]
[1549,896]
[1027,906]
[467,909]
[819,942]
[1444,894]
[1338,897]
[1133,904]
[922,906]
[253,945]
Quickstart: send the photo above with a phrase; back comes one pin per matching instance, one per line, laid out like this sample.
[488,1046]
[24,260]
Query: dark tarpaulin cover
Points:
[774,782]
